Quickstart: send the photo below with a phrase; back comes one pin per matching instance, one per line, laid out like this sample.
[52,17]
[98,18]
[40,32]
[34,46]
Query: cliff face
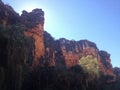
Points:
[116,71]
[68,53]
[48,51]
[73,51]
[34,22]
[105,64]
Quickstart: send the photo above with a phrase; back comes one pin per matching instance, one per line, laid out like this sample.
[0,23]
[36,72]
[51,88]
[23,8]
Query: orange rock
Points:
[37,34]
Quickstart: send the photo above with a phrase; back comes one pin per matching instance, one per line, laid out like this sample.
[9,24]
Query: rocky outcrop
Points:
[34,22]
[106,65]
[116,71]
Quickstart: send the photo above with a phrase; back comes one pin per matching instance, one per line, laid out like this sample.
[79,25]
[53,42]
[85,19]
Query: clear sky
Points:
[95,20]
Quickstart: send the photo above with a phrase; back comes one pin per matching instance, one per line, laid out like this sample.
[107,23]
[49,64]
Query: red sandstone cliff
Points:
[62,52]
[73,51]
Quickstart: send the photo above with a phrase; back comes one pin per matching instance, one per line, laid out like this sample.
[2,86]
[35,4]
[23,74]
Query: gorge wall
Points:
[48,51]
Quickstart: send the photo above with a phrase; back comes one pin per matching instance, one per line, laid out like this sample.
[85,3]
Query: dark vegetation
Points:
[14,56]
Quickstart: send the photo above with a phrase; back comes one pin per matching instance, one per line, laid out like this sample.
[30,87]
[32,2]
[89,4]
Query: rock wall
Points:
[47,50]
[34,21]
[73,51]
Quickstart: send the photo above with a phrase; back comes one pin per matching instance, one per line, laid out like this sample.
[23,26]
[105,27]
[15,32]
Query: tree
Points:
[91,70]
[90,65]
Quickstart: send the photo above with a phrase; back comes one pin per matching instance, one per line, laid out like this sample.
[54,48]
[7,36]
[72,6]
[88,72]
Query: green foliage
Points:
[90,65]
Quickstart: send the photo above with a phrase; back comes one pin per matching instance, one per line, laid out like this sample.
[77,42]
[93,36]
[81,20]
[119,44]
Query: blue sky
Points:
[95,20]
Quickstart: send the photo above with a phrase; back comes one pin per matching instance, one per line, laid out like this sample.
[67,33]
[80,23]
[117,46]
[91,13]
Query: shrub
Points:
[90,66]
